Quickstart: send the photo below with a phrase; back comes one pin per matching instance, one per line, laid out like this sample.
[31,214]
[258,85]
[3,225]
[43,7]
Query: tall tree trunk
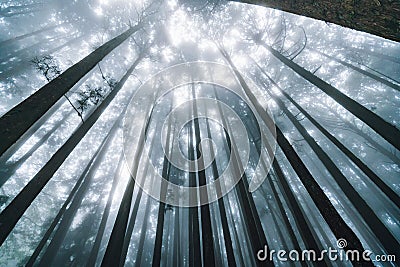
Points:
[375,54]
[69,213]
[100,232]
[16,121]
[328,211]
[376,225]
[12,168]
[371,175]
[359,70]
[376,17]
[246,201]
[385,129]
[163,194]
[112,256]
[221,207]
[143,231]
[13,212]
[194,231]
[61,212]
[206,228]
[23,36]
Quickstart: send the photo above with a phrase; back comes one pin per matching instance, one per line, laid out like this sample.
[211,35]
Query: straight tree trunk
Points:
[143,232]
[13,212]
[12,168]
[194,231]
[23,36]
[385,129]
[371,175]
[246,201]
[376,17]
[112,256]
[328,211]
[61,212]
[18,120]
[221,207]
[359,70]
[376,225]
[206,228]
[100,232]
[157,252]
[69,213]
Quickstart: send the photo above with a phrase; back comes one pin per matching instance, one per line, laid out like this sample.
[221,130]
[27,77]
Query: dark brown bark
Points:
[15,122]
[378,17]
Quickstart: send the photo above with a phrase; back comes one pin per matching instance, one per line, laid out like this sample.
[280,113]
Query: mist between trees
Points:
[318,109]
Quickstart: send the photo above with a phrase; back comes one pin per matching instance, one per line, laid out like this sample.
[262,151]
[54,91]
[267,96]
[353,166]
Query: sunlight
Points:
[180,28]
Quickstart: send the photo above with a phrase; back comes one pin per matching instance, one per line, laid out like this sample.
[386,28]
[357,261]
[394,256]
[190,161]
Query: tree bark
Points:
[385,129]
[16,121]
[378,17]
[206,228]
[23,36]
[328,211]
[359,70]
[367,171]
[69,213]
[13,212]
[222,211]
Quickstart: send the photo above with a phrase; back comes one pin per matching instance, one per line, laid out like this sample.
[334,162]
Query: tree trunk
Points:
[328,211]
[380,17]
[206,228]
[246,201]
[376,225]
[385,129]
[371,175]
[61,212]
[23,36]
[222,211]
[163,194]
[13,212]
[16,121]
[69,213]
[99,235]
[194,231]
[12,168]
[112,256]
[359,70]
